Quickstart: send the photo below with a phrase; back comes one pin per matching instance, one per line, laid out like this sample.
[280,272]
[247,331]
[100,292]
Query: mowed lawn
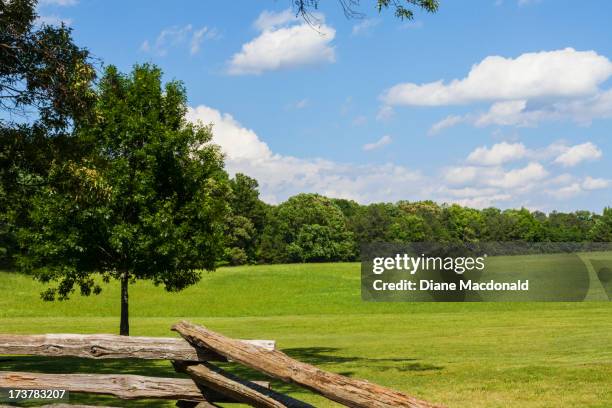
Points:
[457,354]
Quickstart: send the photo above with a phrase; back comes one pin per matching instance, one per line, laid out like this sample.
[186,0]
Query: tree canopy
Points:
[313,228]
[43,75]
[45,91]
[246,221]
[148,201]
[306,228]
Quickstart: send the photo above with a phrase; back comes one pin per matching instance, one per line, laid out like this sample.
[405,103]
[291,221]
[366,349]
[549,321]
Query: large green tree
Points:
[372,223]
[463,224]
[602,228]
[246,221]
[45,91]
[569,227]
[306,228]
[148,202]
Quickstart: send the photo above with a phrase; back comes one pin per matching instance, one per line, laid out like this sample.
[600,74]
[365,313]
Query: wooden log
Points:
[344,390]
[235,388]
[122,386]
[110,346]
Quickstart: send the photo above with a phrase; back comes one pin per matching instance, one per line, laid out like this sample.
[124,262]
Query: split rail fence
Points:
[193,354]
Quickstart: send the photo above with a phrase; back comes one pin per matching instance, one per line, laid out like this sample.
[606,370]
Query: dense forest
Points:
[314,228]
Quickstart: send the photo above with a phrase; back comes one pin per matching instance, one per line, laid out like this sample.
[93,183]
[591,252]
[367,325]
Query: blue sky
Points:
[505,103]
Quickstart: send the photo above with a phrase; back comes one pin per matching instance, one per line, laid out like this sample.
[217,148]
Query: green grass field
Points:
[458,354]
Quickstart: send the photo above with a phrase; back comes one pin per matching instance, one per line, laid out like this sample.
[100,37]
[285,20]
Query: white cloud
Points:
[548,152]
[480,187]
[461,175]
[53,19]
[470,183]
[365,26]
[167,38]
[237,142]
[585,110]
[447,122]
[385,113]
[475,197]
[284,42]
[559,152]
[482,180]
[498,154]
[269,19]
[282,176]
[566,192]
[590,183]
[562,179]
[199,36]
[560,85]
[576,187]
[504,113]
[521,177]
[383,141]
[561,73]
[177,36]
[518,113]
[579,153]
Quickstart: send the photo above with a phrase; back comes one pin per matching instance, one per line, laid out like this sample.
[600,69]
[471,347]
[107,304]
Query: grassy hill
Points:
[459,354]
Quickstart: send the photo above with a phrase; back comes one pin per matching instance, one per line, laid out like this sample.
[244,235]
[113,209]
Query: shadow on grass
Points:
[65,365]
[318,356]
[328,356]
[322,356]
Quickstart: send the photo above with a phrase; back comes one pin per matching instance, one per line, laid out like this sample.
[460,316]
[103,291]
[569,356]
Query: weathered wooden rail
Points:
[122,386]
[192,354]
[111,346]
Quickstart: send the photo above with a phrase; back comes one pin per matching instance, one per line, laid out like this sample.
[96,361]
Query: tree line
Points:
[314,228]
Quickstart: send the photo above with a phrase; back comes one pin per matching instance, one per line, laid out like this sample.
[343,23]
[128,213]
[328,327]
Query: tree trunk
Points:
[124,326]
